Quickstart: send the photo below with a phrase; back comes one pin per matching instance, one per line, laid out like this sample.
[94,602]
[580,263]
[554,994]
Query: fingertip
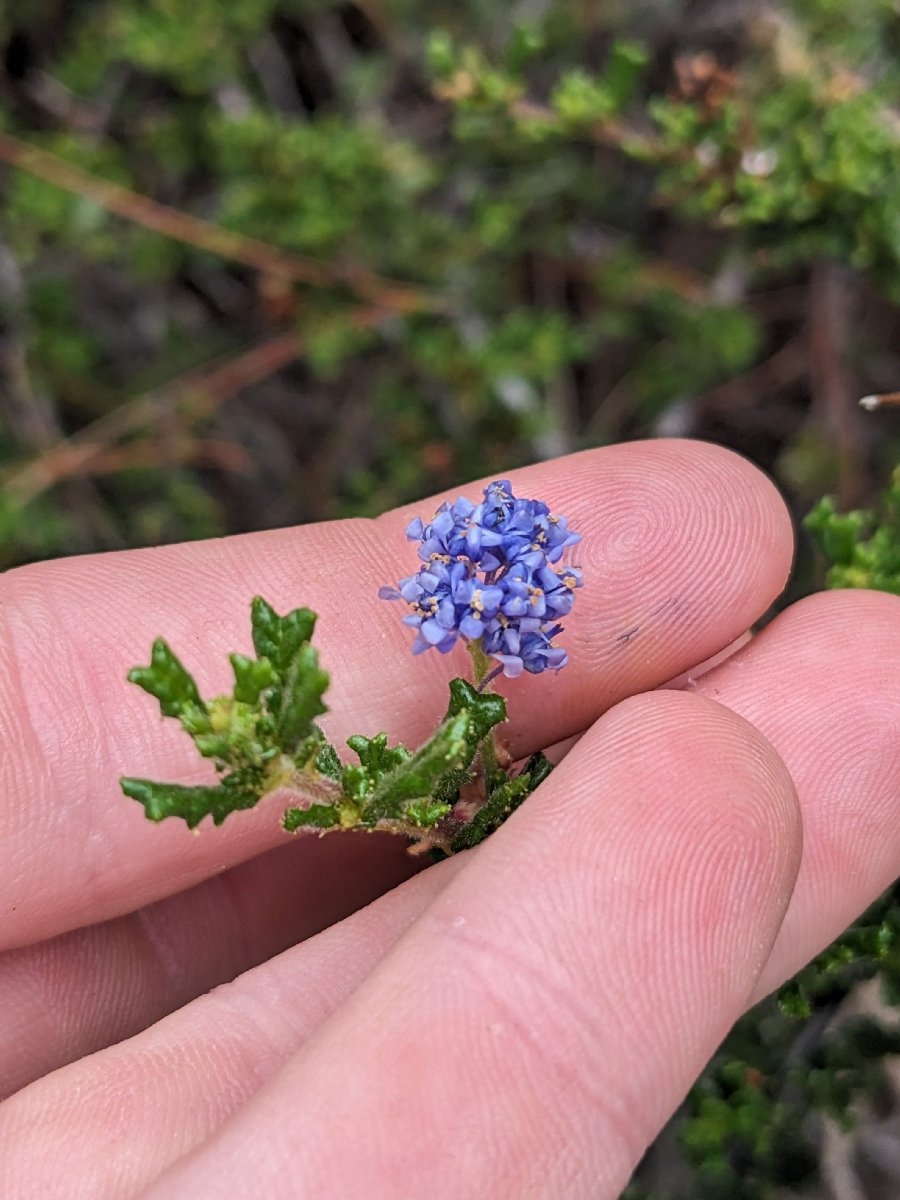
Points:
[821,683]
[693,811]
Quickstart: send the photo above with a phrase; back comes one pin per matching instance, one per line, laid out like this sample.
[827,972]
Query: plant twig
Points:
[880,400]
[205,388]
[830,300]
[204,235]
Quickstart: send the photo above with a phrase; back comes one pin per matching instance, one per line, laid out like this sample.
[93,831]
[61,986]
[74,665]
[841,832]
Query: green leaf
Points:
[376,759]
[295,694]
[485,709]
[328,763]
[450,749]
[173,686]
[218,745]
[300,698]
[376,756]
[279,638]
[317,816]
[355,782]
[270,713]
[446,790]
[502,801]
[251,677]
[192,804]
[537,769]
[427,815]
[793,1001]
[396,779]
[837,533]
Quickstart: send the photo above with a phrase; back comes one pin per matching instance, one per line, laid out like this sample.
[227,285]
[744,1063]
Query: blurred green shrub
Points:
[602,224]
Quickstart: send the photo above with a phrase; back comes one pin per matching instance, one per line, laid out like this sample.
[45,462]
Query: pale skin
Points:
[517,1022]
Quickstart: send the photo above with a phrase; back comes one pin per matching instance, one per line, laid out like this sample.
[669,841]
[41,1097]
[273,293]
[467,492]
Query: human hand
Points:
[518,1021]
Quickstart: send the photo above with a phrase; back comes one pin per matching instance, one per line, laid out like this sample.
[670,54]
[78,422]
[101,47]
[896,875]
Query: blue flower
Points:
[488,577]
[534,652]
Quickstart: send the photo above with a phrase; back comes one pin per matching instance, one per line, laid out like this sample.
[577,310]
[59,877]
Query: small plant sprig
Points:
[491,577]
[863,546]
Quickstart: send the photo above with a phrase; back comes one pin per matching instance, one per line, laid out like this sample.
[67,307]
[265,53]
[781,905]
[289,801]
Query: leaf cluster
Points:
[264,736]
[391,784]
[862,546]
[258,736]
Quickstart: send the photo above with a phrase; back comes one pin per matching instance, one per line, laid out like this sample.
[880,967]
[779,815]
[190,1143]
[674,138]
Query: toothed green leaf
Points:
[426,815]
[270,713]
[251,677]
[376,756]
[485,709]
[537,769]
[503,801]
[355,782]
[192,804]
[294,693]
[418,776]
[279,638]
[328,763]
[317,816]
[174,687]
[299,700]
[446,790]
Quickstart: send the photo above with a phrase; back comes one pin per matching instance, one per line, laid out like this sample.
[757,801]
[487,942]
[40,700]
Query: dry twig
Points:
[390,294]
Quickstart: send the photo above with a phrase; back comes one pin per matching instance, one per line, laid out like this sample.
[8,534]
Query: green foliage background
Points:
[613,220]
[495,232]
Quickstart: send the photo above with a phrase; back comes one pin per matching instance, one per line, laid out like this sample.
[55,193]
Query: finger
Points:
[684,546]
[72,995]
[821,683]
[538,1024]
[164,1091]
[802,682]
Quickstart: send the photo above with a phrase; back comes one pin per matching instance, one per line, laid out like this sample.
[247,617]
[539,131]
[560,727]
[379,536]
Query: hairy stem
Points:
[307,789]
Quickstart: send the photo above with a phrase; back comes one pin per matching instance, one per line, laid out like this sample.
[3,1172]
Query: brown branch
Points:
[91,460]
[880,400]
[831,298]
[787,365]
[193,231]
[202,390]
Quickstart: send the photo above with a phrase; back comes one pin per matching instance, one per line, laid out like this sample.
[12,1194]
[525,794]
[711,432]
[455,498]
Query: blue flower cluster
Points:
[488,574]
